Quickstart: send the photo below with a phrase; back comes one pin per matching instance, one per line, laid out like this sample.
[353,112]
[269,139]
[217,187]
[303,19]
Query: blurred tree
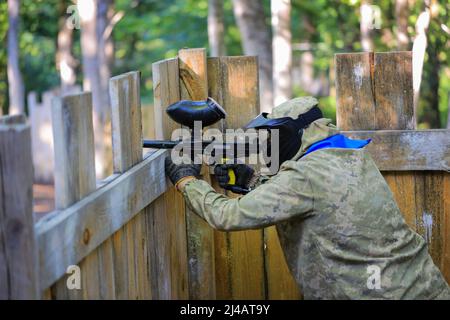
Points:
[97,22]
[65,61]
[256,40]
[418,50]
[434,76]
[15,82]
[38,44]
[87,10]
[216,28]
[282,50]
[401,15]
[366,25]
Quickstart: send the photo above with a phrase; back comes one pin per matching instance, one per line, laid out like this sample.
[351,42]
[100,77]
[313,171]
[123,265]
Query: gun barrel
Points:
[160,144]
[201,145]
[169,144]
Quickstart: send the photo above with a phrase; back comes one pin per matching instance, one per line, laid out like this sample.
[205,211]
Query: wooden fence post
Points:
[194,86]
[18,251]
[239,256]
[74,174]
[132,276]
[374,91]
[168,225]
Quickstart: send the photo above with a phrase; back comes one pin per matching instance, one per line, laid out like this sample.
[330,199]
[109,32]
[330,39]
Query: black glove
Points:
[177,172]
[242,172]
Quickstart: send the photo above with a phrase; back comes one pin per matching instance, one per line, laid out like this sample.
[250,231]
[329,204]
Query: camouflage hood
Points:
[316,131]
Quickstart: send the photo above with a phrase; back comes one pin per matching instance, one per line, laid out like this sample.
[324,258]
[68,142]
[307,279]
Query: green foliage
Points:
[152,30]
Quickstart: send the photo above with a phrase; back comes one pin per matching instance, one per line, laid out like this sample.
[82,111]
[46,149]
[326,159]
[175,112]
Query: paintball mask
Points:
[290,130]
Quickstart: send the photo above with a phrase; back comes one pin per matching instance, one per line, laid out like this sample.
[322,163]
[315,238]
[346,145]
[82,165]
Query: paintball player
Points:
[336,217]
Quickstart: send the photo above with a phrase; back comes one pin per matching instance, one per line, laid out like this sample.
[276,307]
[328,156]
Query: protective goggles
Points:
[303,120]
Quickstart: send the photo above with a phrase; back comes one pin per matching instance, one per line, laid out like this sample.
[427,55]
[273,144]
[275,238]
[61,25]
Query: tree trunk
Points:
[89,49]
[92,48]
[105,16]
[418,51]
[105,53]
[216,28]
[256,40]
[401,16]
[15,82]
[366,26]
[65,61]
[282,50]
[431,93]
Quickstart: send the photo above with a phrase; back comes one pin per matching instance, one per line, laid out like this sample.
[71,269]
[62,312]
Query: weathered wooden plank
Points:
[166,91]
[281,284]
[18,251]
[13,119]
[407,150]
[167,224]
[74,148]
[66,236]
[124,92]
[130,243]
[193,74]
[430,211]
[239,256]
[393,90]
[74,174]
[148,122]
[222,259]
[194,86]
[374,91]
[402,185]
[422,199]
[355,104]
[445,262]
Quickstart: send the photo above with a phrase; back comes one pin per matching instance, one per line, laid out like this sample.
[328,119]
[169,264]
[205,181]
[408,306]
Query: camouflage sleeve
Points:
[286,195]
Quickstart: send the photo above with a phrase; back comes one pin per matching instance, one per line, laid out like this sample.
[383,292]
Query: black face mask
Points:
[290,130]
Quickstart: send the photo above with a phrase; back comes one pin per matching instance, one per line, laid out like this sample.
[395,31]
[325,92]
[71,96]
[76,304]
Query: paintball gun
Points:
[207,112]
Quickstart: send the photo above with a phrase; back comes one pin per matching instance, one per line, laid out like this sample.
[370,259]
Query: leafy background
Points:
[152,30]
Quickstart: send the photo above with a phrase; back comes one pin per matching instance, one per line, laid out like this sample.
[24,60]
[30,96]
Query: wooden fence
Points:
[132,235]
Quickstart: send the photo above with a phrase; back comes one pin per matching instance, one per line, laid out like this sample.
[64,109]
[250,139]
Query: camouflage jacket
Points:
[338,224]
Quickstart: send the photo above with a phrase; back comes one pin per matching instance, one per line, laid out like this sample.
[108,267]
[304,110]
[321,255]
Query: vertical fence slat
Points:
[18,252]
[131,242]
[74,148]
[393,90]
[355,103]
[445,263]
[168,222]
[239,257]
[126,120]
[194,86]
[74,176]
[420,195]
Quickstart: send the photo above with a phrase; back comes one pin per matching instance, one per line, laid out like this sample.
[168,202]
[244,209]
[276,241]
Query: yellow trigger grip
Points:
[231,177]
